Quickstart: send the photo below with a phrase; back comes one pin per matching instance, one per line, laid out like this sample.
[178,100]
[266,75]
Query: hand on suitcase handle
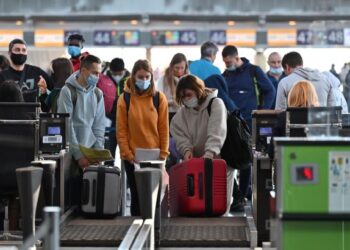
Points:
[83,162]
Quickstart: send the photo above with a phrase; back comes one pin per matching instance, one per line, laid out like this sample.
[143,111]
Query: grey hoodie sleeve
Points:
[217,127]
[331,97]
[98,126]
[180,133]
[65,105]
[281,97]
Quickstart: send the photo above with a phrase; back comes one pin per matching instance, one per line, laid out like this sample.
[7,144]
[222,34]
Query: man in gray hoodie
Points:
[292,64]
[84,103]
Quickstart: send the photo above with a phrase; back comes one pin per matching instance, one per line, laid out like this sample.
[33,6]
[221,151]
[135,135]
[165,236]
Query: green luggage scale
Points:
[313,193]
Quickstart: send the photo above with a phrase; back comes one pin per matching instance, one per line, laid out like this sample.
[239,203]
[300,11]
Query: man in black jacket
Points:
[32,80]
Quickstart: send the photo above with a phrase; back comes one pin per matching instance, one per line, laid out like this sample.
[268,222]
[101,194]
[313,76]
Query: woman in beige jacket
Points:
[198,134]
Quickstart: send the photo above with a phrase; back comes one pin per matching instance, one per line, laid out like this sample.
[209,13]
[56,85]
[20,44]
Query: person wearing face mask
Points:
[112,85]
[242,78]
[275,73]
[84,103]
[141,124]
[198,134]
[178,67]
[275,63]
[75,45]
[33,81]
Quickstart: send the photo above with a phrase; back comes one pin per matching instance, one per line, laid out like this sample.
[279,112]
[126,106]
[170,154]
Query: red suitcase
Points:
[198,188]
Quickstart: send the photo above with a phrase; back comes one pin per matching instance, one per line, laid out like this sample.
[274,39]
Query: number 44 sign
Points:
[103,37]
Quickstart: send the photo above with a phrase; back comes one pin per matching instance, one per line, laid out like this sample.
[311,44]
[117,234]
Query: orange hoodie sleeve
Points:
[163,126]
[122,130]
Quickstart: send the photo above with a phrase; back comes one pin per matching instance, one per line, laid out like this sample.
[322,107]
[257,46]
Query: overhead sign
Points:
[244,37]
[6,36]
[347,37]
[49,38]
[188,37]
[174,37]
[218,37]
[304,37]
[335,36]
[281,37]
[126,38]
[102,37]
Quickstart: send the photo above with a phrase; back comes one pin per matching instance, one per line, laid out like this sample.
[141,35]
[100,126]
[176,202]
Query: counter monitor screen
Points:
[265,131]
[54,130]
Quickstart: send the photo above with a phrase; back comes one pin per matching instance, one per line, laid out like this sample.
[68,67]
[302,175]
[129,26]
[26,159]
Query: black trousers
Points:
[130,170]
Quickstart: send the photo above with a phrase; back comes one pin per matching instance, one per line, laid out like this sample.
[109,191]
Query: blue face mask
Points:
[92,80]
[143,84]
[276,71]
[74,51]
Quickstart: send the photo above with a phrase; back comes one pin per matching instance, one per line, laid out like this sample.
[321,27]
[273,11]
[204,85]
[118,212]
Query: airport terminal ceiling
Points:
[131,27]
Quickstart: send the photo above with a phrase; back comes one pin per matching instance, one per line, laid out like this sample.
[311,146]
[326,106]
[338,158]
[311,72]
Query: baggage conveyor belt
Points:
[89,232]
[205,232]
[175,232]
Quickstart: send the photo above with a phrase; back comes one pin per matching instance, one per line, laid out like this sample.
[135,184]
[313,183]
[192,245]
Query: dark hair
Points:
[292,59]
[229,50]
[76,37]
[117,64]
[141,64]
[62,68]
[10,92]
[208,49]
[169,77]
[193,83]
[88,61]
[4,62]
[16,41]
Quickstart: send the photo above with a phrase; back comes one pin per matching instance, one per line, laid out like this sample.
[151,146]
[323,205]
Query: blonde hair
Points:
[303,94]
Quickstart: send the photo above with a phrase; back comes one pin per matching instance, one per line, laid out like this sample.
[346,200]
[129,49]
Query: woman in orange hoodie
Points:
[142,123]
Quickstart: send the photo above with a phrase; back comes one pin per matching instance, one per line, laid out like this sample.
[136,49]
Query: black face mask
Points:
[18,59]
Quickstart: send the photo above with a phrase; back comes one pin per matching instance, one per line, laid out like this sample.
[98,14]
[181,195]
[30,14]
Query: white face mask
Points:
[191,103]
[117,78]
[232,67]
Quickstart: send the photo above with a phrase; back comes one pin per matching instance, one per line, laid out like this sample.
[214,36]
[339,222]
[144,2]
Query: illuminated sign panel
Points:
[281,37]
[241,37]
[6,36]
[49,38]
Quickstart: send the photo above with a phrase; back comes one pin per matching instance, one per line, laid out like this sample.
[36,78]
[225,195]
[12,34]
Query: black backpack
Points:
[237,148]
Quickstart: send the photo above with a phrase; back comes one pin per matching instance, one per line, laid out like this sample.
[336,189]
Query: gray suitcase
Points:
[101,191]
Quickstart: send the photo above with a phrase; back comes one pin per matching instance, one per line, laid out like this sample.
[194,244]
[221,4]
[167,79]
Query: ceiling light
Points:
[134,22]
[292,23]
[231,23]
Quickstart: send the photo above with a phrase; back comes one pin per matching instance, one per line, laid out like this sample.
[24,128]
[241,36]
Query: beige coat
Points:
[195,130]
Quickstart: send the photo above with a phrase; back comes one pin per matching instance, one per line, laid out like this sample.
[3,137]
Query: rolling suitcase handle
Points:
[208,170]
[190,185]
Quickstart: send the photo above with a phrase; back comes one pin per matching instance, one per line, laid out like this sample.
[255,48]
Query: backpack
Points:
[237,148]
[258,94]
[73,95]
[155,99]
[109,91]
